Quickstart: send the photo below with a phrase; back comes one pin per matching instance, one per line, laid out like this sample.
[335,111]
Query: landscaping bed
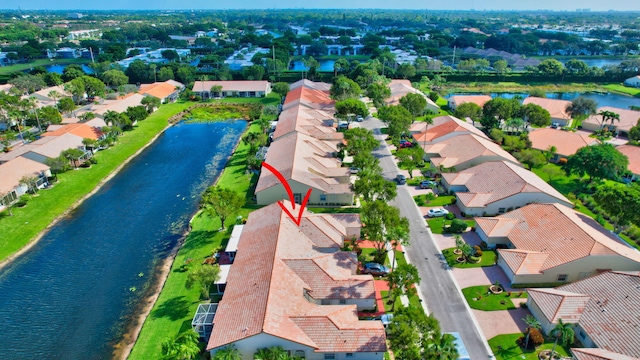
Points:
[437,225]
[504,347]
[480,298]
[440,200]
[488,258]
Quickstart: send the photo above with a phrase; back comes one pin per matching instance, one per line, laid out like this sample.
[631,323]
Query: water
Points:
[598,62]
[325,65]
[606,99]
[71,295]
[60,68]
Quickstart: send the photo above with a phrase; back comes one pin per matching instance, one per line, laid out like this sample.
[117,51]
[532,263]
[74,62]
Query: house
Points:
[306,163]
[496,187]
[633,81]
[51,147]
[566,143]
[632,152]
[118,105]
[556,108]
[464,151]
[167,91]
[400,88]
[310,98]
[291,286]
[457,100]
[603,310]
[313,122]
[628,119]
[444,127]
[551,243]
[315,85]
[11,174]
[44,95]
[237,88]
[78,129]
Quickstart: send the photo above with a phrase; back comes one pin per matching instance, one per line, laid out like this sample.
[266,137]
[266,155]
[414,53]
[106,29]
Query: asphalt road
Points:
[438,288]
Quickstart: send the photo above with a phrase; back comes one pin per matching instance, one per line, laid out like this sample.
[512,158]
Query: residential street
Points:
[438,288]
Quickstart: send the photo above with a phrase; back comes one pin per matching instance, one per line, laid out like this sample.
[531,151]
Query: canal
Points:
[603,99]
[72,295]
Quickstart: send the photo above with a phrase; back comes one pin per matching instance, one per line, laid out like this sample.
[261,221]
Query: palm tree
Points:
[183,347]
[397,235]
[228,353]
[73,155]
[272,353]
[55,96]
[608,116]
[562,332]
[532,323]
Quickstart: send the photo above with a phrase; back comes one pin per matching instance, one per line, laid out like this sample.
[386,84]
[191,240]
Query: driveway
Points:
[438,287]
[482,276]
[500,322]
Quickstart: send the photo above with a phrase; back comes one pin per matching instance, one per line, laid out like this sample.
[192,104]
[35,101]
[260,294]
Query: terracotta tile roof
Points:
[322,86]
[633,153]
[566,142]
[552,229]
[557,304]
[82,130]
[235,85]
[610,317]
[446,125]
[480,100]
[58,144]
[119,106]
[598,354]
[312,122]
[497,180]
[400,88]
[44,93]
[459,149]
[556,108]
[316,99]
[276,264]
[306,160]
[12,171]
[161,90]
[628,118]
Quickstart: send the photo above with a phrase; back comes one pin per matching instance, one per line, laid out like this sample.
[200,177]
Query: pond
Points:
[72,295]
[325,65]
[598,62]
[60,68]
[603,99]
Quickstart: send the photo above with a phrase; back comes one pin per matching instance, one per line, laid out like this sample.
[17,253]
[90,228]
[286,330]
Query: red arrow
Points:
[284,182]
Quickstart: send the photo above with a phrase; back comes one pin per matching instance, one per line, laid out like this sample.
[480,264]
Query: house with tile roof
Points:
[306,163]
[78,129]
[457,100]
[464,151]
[313,122]
[232,88]
[603,310]
[118,105]
[400,88]
[315,85]
[551,243]
[628,119]
[556,108]
[566,143]
[444,127]
[632,152]
[291,286]
[50,147]
[310,98]
[11,174]
[167,91]
[496,187]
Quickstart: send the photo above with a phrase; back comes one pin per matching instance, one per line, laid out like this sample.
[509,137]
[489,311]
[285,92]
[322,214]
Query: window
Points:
[343,301]
[325,302]
[349,355]
[562,277]
[582,334]
[300,354]
[329,356]
[501,210]
[323,197]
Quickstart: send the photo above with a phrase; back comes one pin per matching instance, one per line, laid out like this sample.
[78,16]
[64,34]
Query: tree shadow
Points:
[173,309]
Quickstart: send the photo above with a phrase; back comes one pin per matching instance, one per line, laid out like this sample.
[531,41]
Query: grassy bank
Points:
[21,228]
[174,309]
[519,87]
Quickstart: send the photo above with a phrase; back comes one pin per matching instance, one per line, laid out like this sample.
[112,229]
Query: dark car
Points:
[401,179]
[375,269]
[405,144]
[427,184]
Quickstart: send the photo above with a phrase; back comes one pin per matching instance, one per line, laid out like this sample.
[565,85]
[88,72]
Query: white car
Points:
[437,212]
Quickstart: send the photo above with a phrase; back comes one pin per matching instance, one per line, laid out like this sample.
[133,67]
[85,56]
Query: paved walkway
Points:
[500,322]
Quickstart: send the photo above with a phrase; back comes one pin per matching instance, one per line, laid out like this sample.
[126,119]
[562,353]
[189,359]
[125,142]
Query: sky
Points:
[558,5]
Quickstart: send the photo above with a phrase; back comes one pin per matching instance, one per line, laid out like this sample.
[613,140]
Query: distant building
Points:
[633,81]
[238,88]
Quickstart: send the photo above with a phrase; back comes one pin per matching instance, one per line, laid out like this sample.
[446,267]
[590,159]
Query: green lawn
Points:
[437,224]
[5,70]
[174,309]
[490,302]
[441,200]
[489,258]
[510,350]
[18,230]
[623,89]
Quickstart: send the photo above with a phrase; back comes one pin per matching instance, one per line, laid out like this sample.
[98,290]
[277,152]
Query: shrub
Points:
[474,259]
[457,226]
[562,161]
[453,201]
[478,250]
[450,216]
[483,245]
[22,202]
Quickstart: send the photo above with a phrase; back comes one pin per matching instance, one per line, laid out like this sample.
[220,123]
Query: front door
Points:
[297,198]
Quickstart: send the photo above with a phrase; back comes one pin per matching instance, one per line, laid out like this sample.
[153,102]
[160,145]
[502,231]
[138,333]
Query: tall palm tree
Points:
[532,323]
[563,333]
[55,96]
[608,116]
[228,353]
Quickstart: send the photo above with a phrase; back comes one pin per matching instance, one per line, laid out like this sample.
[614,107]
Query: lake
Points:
[325,65]
[603,99]
[60,68]
[72,295]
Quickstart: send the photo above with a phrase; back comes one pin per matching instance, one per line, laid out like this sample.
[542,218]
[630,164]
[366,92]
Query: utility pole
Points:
[453,59]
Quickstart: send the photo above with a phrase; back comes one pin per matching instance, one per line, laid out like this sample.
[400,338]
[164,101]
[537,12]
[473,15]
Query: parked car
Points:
[354,170]
[401,179]
[385,318]
[359,118]
[437,212]
[405,144]
[343,125]
[427,184]
[555,125]
[375,269]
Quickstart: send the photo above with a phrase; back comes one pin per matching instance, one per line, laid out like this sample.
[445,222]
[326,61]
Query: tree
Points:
[227,353]
[551,67]
[469,110]
[186,74]
[581,108]
[183,347]
[73,155]
[622,203]
[253,72]
[165,73]
[5,199]
[402,280]
[137,113]
[501,108]
[221,202]
[397,118]
[280,88]
[57,165]
[273,353]
[576,67]
[601,161]
[76,88]
[608,116]
[563,333]
[89,144]
[377,92]
[72,71]
[151,103]
[66,105]
[340,65]
[532,323]
[378,215]
[93,87]
[114,78]
[344,88]
[348,108]
[416,104]
[55,96]
[411,158]
[634,132]
[170,55]
[27,83]
[406,71]
[203,275]
[552,171]
[52,79]
[139,72]
[536,115]
[501,67]
[373,186]
[415,336]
